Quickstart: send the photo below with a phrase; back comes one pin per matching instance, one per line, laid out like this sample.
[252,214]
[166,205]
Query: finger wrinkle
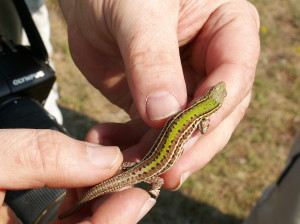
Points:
[43,147]
[231,12]
[242,108]
[49,145]
[150,59]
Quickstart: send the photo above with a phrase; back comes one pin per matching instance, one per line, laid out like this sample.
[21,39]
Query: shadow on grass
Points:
[76,124]
[175,208]
[171,207]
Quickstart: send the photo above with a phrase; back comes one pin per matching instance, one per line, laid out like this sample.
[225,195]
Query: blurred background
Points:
[226,189]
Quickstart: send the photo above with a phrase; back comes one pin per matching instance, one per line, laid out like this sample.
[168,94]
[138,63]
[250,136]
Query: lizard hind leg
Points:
[155,185]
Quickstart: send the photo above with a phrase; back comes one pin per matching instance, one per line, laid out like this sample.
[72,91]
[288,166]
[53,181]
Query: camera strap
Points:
[34,38]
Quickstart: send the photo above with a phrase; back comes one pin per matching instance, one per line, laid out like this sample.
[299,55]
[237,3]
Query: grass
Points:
[226,189]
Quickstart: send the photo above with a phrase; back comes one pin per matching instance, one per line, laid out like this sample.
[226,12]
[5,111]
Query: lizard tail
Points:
[72,210]
[105,187]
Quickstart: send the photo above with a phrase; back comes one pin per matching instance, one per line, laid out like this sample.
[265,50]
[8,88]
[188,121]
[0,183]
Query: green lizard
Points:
[165,151]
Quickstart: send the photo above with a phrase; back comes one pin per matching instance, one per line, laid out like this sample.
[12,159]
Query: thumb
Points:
[38,158]
[149,47]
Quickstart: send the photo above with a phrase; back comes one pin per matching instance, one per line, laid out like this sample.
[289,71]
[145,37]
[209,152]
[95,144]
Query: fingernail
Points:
[183,178]
[146,208]
[103,156]
[161,105]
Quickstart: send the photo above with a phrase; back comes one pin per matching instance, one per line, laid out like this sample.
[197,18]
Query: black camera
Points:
[25,82]
[26,79]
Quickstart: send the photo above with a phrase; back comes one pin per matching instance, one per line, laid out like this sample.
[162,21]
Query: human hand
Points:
[39,158]
[153,57]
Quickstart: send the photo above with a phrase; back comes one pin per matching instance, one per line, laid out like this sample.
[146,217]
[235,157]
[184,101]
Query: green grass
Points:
[226,189]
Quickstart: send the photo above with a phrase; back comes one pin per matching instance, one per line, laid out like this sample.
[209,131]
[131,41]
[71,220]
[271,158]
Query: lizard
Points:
[166,150]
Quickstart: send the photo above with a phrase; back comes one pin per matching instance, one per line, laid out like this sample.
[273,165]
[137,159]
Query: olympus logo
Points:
[28,78]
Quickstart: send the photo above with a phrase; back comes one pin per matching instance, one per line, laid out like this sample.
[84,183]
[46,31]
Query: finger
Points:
[227,49]
[149,47]
[122,135]
[127,206]
[205,148]
[2,195]
[37,158]
[8,216]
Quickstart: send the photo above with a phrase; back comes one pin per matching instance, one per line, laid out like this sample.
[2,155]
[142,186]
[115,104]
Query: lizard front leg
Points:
[204,124]
[127,165]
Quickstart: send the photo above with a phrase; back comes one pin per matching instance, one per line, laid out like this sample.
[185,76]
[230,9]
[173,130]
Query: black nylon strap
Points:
[35,40]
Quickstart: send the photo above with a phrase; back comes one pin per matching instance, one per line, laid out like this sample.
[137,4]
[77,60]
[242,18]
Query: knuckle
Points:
[242,107]
[248,76]
[151,58]
[156,62]
[46,153]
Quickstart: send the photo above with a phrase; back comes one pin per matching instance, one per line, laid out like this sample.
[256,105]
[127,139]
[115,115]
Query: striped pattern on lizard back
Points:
[165,151]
